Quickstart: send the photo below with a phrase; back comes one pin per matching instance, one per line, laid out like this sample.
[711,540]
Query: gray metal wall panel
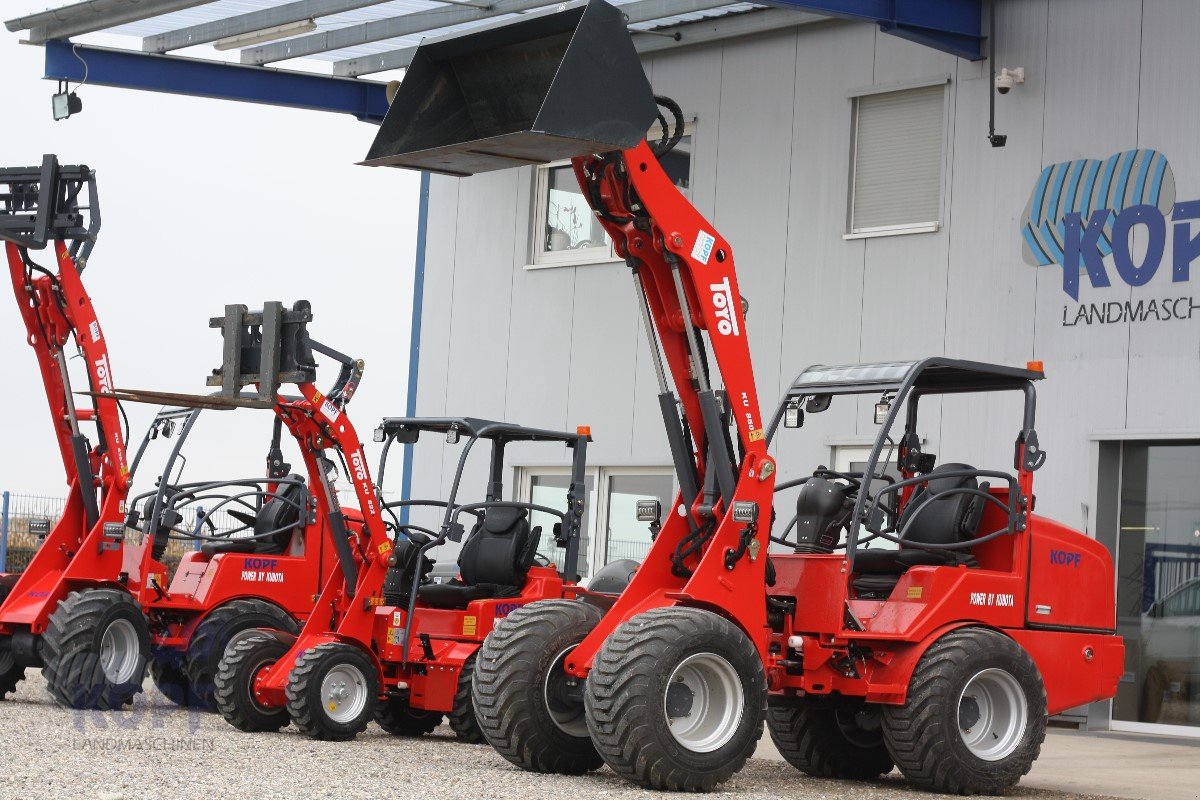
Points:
[1086,116]
[823,284]
[540,346]
[772,167]
[603,364]
[990,291]
[753,175]
[1163,355]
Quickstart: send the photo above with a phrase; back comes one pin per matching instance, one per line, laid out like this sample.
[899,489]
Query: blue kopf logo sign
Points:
[1084,212]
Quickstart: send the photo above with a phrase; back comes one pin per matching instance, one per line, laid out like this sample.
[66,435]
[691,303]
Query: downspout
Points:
[414,339]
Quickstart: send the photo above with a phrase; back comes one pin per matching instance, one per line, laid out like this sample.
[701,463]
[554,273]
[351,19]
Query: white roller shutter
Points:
[897,159]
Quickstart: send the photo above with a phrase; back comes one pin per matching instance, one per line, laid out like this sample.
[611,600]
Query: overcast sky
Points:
[204,203]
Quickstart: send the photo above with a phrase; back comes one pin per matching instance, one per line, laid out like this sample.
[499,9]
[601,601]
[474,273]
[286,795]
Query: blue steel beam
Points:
[125,69]
[952,26]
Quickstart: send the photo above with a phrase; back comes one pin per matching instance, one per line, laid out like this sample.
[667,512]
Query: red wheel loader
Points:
[82,554]
[289,529]
[94,606]
[398,648]
[932,652]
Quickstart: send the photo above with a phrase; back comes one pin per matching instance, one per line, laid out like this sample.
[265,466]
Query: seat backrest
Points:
[500,549]
[283,513]
[821,514]
[949,519]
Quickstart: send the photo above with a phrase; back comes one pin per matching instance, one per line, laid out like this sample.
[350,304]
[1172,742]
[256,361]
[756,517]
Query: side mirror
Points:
[818,403]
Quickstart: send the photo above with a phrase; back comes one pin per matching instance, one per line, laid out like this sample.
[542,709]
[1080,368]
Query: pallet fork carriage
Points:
[679,669]
[399,649]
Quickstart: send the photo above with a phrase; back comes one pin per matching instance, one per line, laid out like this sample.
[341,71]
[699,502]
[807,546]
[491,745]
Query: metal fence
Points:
[18,543]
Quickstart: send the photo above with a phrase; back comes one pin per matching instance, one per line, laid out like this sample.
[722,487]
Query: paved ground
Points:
[157,750]
[1108,764]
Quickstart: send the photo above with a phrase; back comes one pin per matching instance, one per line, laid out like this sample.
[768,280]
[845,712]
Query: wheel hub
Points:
[703,702]
[119,651]
[563,694]
[679,699]
[992,714]
[344,693]
[968,713]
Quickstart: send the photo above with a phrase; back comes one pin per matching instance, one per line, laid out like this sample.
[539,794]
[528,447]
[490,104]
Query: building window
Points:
[625,536]
[565,231]
[896,168]
[611,509]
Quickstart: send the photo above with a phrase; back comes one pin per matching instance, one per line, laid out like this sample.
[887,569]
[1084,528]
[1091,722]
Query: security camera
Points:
[1008,78]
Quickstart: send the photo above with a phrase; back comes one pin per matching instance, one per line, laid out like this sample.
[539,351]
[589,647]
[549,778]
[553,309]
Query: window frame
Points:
[903,229]
[539,258]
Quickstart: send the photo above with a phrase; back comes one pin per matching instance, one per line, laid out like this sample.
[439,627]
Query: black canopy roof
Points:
[482,428]
[929,376]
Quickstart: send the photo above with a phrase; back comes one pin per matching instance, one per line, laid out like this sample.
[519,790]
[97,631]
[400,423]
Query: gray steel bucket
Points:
[537,90]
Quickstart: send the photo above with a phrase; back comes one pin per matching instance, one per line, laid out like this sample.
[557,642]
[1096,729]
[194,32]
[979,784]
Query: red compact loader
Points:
[82,554]
[944,656]
[94,606]
[398,648]
[268,569]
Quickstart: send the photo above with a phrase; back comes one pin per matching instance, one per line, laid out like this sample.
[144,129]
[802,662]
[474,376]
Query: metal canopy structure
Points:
[368,37]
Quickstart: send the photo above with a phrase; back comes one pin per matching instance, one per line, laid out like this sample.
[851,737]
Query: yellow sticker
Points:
[468,626]
[756,435]
[915,592]
[395,636]
[385,548]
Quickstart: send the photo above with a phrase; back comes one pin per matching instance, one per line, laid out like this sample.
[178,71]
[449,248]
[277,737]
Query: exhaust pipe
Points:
[548,88]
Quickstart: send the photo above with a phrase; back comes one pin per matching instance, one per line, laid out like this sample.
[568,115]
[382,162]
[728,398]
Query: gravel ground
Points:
[154,749]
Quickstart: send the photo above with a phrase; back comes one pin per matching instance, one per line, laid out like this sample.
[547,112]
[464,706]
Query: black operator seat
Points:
[284,514]
[494,561]
[949,519]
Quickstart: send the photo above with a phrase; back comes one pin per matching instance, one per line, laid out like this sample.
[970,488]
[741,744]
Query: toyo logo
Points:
[359,465]
[104,374]
[722,300]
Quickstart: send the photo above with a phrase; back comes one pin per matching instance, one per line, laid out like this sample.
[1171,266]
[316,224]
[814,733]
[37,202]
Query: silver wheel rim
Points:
[344,693]
[703,702]
[992,714]
[119,651]
[570,720]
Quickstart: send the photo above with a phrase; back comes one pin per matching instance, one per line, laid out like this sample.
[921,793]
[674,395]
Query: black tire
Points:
[11,673]
[307,706]
[234,684]
[462,716]
[166,670]
[71,649]
[214,633]
[924,735]
[398,718]
[516,669]
[629,688]
[830,742]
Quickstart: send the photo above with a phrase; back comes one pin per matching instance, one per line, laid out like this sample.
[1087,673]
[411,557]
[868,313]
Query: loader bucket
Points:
[537,90]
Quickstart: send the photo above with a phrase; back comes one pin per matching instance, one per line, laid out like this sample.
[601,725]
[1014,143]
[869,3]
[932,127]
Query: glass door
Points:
[1158,587]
